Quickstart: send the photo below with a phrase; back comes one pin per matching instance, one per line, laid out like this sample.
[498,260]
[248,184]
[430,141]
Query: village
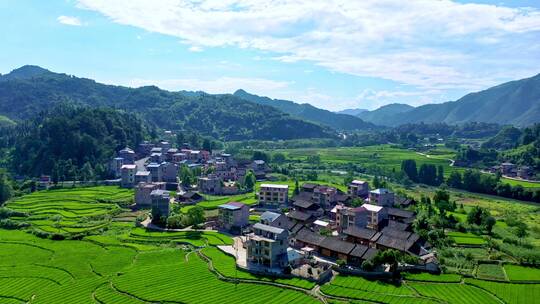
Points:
[298,232]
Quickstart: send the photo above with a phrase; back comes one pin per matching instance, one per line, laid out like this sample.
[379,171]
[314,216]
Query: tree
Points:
[428,174]
[186,176]
[6,190]
[196,215]
[521,230]
[279,158]
[440,175]
[207,145]
[489,222]
[87,173]
[376,182]
[296,187]
[259,155]
[442,201]
[249,180]
[454,180]
[408,166]
[476,215]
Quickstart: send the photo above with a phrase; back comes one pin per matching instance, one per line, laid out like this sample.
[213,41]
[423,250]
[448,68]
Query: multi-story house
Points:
[233,216]
[267,246]
[128,155]
[169,172]
[381,197]
[128,176]
[160,203]
[325,196]
[358,188]
[210,184]
[274,196]
[143,191]
[155,172]
[142,177]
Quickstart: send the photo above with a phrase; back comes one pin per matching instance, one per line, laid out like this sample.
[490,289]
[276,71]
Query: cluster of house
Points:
[321,222]
[512,170]
[153,170]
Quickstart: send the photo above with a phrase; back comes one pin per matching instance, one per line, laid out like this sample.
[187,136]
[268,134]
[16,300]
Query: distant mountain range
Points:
[384,113]
[30,90]
[353,112]
[515,103]
[308,112]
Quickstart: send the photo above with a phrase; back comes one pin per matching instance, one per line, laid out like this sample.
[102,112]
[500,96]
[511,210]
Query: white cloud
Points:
[68,20]
[195,49]
[425,44]
[214,86]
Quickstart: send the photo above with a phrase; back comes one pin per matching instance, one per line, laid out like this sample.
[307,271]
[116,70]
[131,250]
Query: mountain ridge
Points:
[27,91]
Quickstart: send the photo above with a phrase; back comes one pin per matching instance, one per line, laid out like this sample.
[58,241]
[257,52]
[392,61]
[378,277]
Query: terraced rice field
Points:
[426,277]
[510,293]
[467,239]
[490,272]
[520,273]
[454,293]
[47,271]
[71,211]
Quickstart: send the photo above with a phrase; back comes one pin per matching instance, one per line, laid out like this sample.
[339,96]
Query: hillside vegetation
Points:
[29,90]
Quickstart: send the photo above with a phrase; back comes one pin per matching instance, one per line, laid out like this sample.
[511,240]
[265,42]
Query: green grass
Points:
[426,277]
[454,293]
[47,271]
[490,272]
[521,273]
[510,293]
[186,279]
[71,211]
[467,239]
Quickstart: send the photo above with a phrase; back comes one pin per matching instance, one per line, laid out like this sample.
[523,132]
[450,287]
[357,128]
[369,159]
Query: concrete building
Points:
[371,216]
[143,191]
[155,172]
[115,166]
[128,155]
[233,216]
[160,203]
[381,197]
[142,177]
[210,184]
[274,219]
[169,172]
[325,196]
[271,195]
[267,246]
[358,188]
[128,176]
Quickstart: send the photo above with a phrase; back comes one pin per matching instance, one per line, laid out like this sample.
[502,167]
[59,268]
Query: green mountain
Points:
[66,138]
[507,138]
[353,112]
[513,103]
[29,90]
[308,112]
[384,113]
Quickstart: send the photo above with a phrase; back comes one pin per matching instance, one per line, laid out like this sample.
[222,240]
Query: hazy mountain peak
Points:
[25,72]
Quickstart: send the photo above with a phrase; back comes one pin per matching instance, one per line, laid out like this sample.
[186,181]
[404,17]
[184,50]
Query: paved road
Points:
[140,164]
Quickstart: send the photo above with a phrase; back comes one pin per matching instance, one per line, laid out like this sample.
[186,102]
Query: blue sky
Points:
[333,54]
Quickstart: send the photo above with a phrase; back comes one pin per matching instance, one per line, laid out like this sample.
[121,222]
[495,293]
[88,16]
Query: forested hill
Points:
[516,103]
[29,90]
[308,112]
[66,138]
